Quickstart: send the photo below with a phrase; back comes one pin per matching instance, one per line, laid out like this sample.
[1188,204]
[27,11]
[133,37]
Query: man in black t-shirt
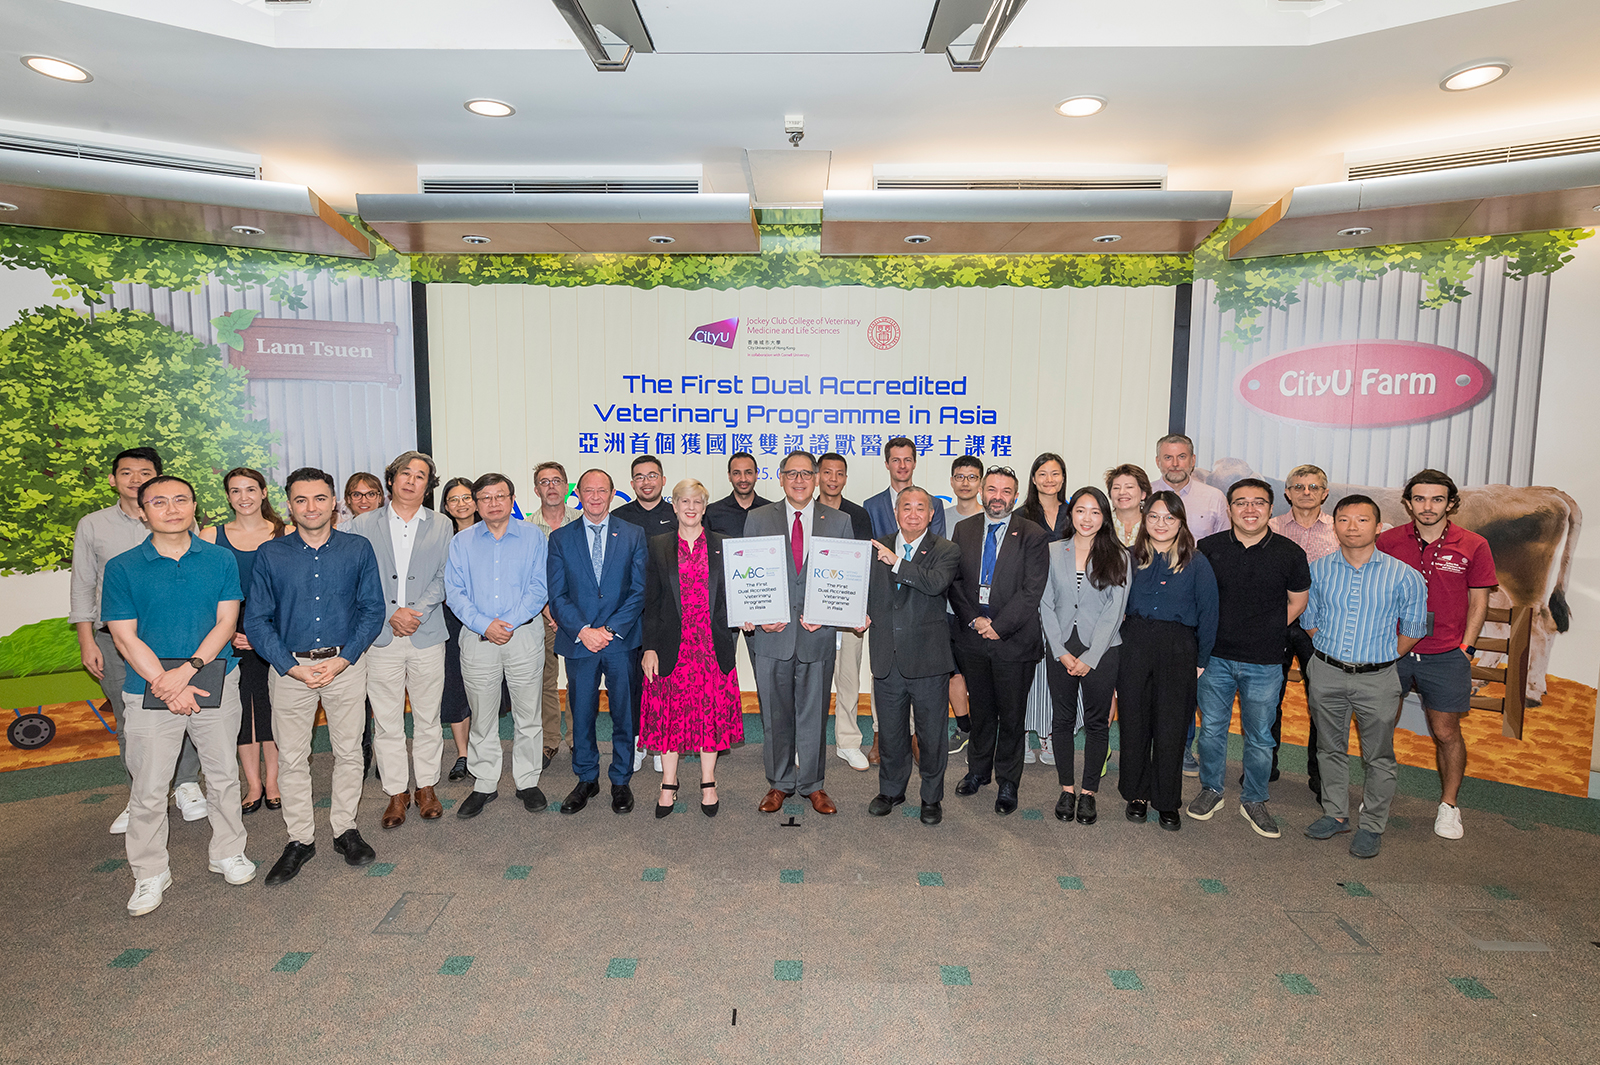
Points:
[649,511]
[1263,583]
[726,515]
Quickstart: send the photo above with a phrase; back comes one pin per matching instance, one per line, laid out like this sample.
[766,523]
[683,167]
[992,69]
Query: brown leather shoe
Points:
[821,803]
[873,757]
[395,815]
[428,804]
[772,802]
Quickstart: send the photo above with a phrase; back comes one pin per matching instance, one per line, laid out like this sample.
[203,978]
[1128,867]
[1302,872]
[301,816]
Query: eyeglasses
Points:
[797,475]
[1308,488]
[1007,470]
[965,478]
[168,501]
[498,497]
[1250,504]
[1161,519]
[366,495]
[647,477]
[550,482]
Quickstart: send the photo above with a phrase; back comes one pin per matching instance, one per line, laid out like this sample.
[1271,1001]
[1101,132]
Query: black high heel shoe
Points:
[275,804]
[662,811]
[710,810]
[252,807]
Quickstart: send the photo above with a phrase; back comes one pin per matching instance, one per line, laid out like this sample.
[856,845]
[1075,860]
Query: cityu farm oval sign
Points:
[1366,383]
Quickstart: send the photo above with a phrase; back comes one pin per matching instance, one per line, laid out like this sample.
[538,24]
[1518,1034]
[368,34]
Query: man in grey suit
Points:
[412,545]
[794,660]
[911,658]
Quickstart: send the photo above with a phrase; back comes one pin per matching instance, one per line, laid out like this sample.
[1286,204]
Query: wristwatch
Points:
[1470,649]
[197,663]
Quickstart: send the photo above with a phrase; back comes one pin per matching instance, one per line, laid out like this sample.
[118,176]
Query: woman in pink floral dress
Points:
[691,686]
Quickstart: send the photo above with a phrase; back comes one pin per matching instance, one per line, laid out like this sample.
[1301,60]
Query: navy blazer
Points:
[884,524]
[577,602]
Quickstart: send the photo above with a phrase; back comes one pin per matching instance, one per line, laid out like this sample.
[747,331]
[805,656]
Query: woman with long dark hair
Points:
[1167,637]
[1082,611]
[254,523]
[1046,507]
[453,708]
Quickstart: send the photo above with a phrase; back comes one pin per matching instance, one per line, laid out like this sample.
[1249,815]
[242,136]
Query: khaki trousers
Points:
[847,688]
[294,712]
[520,662]
[153,740]
[392,671]
[550,700]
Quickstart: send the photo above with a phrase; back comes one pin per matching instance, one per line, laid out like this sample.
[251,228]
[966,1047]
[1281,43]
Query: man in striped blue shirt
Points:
[1367,610]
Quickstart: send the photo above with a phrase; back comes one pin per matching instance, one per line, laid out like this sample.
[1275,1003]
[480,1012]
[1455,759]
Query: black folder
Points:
[209,679]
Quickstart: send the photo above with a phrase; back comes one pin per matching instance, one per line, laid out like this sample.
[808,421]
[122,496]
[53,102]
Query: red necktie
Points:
[797,544]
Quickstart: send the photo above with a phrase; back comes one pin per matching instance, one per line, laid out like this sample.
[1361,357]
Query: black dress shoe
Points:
[932,813]
[474,803]
[288,867]
[1006,801]
[1066,806]
[356,850]
[882,804]
[533,800]
[1170,820]
[459,770]
[580,796]
[621,799]
[970,784]
[251,807]
[277,804]
[1086,811]
[549,756]
[1138,810]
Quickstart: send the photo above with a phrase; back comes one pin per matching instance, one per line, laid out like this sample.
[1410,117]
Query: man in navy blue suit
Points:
[596,580]
[900,458]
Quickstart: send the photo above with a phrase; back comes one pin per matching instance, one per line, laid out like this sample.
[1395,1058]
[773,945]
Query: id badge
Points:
[983,595]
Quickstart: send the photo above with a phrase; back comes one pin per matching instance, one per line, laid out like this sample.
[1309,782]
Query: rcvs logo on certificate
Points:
[1366,383]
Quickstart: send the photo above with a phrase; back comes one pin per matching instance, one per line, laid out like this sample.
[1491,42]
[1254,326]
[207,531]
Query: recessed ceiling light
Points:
[490,108]
[249,231]
[661,240]
[918,238]
[1081,106]
[1109,238]
[1474,76]
[59,69]
[473,238]
[1355,231]
[14,207]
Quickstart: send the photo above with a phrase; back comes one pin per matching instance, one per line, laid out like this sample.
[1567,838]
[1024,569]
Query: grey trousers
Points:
[899,699]
[116,671]
[520,662]
[1373,699]
[794,719]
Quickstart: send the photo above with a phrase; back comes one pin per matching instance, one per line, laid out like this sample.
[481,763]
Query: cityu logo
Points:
[719,334]
[1366,383]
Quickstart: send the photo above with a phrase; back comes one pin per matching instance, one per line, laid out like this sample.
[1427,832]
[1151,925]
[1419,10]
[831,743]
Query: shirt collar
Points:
[601,524]
[900,538]
[147,549]
[394,515]
[805,510]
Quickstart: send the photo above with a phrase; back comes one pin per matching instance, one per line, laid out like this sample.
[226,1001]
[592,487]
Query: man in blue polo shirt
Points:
[175,597]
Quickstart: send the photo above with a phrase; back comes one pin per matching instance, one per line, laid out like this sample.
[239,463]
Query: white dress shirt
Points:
[806,515]
[403,535]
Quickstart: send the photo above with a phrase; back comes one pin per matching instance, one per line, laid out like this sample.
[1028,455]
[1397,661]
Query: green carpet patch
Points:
[791,876]
[130,958]
[1070,883]
[787,970]
[518,872]
[456,965]
[1213,887]
[110,865]
[1033,815]
[323,803]
[1502,893]
[654,876]
[1470,987]
[1296,984]
[447,803]
[622,968]
[930,880]
[380,868]
[1355,889]
[292,962]
[95,799]
[907,810]
[1125,980]
[792,808]
[1399,822]
[955,976]
[1521,825]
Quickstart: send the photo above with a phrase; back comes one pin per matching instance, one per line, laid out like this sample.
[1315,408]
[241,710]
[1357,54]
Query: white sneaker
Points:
[235,870]
[638,758]
[657,763]
[854,757]
[191,801]
[1448,823]
[1047,754]
[147,893]
[120,825]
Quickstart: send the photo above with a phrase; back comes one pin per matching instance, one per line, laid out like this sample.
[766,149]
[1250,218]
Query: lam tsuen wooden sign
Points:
[300,349]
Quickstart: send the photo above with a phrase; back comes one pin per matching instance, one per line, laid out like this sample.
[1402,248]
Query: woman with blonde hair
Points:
[690,700]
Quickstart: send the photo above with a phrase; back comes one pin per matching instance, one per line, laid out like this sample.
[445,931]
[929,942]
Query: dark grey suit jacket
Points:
[794,641]
[910,629]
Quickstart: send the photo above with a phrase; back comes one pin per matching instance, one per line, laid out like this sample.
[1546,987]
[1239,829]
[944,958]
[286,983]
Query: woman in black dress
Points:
[453,708]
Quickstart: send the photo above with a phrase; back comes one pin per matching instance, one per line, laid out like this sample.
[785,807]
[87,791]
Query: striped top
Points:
[1355,612]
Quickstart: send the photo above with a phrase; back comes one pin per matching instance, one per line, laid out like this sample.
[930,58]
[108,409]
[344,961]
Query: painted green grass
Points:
[48,646]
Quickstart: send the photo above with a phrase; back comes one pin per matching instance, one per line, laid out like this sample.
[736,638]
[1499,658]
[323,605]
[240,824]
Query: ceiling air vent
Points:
[75,149]
[1477,157]
[514,188]
[544,180]
[1019,183]
[1017,177]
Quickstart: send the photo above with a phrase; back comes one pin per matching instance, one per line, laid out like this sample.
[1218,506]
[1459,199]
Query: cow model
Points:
[1533,533]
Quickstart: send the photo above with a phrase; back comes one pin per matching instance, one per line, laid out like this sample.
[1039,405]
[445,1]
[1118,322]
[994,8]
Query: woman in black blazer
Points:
[690,700]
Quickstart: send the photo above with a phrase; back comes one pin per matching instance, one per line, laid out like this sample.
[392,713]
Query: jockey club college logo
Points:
[719,334]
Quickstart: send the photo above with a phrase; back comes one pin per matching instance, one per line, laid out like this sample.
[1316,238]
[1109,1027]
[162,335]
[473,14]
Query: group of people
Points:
[1022,608]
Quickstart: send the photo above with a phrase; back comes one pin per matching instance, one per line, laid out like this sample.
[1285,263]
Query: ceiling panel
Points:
[787,25]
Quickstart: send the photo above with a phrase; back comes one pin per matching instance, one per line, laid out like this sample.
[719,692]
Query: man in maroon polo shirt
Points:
[1459,570]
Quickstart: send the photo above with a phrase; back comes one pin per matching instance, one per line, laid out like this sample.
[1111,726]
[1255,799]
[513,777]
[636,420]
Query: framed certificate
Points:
[755,573]
[836,582]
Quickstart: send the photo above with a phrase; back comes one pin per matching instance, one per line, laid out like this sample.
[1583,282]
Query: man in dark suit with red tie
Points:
[1005,562]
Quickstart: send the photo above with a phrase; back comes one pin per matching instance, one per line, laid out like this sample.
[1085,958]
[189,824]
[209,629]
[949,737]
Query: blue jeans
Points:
[1257,687]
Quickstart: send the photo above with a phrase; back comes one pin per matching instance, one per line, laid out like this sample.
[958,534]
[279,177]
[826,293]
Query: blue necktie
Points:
[906,550]
[597,553]
[991,548]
